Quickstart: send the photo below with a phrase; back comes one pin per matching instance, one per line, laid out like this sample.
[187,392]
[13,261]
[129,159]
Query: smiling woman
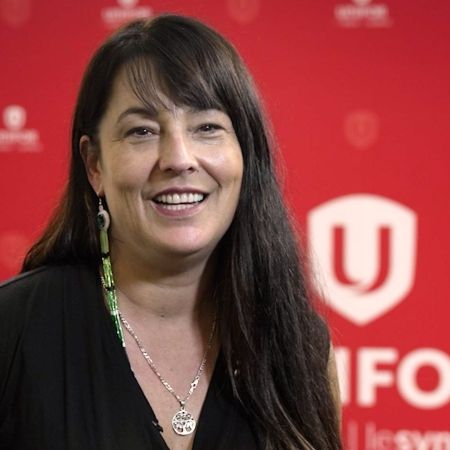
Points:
[148,163]
[165,305]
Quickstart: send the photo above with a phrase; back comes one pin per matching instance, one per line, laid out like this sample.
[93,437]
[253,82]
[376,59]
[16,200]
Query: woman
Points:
[172,216]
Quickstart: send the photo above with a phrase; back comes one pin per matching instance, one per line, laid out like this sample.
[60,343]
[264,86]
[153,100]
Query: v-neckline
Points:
[134,384]
[154,420]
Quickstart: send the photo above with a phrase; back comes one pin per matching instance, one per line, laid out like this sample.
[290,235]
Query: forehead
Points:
[159,85]
[124,102]
[125,93]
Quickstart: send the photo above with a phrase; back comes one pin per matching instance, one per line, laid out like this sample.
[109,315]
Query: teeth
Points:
[180,199]
[179,206]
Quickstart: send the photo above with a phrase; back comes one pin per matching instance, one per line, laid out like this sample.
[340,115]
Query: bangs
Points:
[162,84]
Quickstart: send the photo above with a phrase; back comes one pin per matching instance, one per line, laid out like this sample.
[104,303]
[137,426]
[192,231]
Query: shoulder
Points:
[18,289]
[15,292]
[18,295]
[32,299]
[29,281]
[30,305]
[25,281]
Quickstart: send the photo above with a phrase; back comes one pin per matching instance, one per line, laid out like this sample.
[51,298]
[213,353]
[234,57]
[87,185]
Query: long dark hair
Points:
[270,333]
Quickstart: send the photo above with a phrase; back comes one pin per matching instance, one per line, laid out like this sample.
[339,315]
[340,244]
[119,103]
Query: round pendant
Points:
[183,422]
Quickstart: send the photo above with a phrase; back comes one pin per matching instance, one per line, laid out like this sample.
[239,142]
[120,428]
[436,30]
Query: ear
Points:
[91,158]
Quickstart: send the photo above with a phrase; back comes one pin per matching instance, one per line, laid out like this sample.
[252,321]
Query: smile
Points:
[177,199]
[178,202]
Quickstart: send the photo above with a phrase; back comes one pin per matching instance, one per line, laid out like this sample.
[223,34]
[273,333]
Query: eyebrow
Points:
[139,110]
[153,113]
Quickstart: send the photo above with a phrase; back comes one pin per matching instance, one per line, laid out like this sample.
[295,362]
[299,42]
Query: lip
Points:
[186,212]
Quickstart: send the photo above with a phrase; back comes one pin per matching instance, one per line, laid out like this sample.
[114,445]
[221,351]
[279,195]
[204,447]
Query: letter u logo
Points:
[364,251]
[380,276]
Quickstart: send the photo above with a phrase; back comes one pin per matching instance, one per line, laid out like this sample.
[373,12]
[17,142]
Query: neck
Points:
[179,291]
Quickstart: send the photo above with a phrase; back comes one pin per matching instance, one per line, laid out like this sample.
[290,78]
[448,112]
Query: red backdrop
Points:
[358,93]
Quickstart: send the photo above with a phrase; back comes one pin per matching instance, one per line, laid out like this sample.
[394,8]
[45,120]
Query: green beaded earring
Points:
[103,222]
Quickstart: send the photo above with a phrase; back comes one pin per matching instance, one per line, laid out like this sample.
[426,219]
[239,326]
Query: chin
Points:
[184,249]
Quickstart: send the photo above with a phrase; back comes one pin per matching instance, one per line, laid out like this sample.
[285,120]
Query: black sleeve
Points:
[15,309]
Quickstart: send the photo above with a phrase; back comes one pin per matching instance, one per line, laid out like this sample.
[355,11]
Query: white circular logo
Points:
[14,117]
[128,4]
[243,11]
[361,128]
[362,2]
[15,12]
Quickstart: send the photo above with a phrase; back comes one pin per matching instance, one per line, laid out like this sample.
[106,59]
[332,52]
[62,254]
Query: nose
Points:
[176,153]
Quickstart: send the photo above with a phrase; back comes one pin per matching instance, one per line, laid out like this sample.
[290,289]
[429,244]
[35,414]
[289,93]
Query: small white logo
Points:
[15,12]
[361,13]
[14,117]
[361,128]
[127,3]
[243,11]
[364,248]
[14,135]
[127,10]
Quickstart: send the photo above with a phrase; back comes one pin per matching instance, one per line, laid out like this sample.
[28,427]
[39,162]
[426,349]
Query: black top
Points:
[65,380]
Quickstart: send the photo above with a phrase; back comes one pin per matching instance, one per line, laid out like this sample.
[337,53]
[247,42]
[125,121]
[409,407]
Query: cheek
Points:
[228,167]
[123,184]
[235,171]
[126,174]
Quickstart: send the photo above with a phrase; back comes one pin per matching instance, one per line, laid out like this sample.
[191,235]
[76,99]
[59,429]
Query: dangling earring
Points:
[103,222]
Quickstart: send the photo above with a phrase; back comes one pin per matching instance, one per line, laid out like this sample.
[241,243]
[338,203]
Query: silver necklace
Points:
[183,422]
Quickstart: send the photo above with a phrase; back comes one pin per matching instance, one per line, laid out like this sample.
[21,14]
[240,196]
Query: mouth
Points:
[179,201]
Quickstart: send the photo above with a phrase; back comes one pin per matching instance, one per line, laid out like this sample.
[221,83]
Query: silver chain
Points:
[150,362]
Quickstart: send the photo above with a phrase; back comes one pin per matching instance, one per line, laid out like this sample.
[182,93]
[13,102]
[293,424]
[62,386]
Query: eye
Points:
[209,128]
[140,132]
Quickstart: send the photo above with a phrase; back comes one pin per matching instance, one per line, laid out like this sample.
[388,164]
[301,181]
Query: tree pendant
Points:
[183,422]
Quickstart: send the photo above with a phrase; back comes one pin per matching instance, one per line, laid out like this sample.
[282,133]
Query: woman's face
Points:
[171,177]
